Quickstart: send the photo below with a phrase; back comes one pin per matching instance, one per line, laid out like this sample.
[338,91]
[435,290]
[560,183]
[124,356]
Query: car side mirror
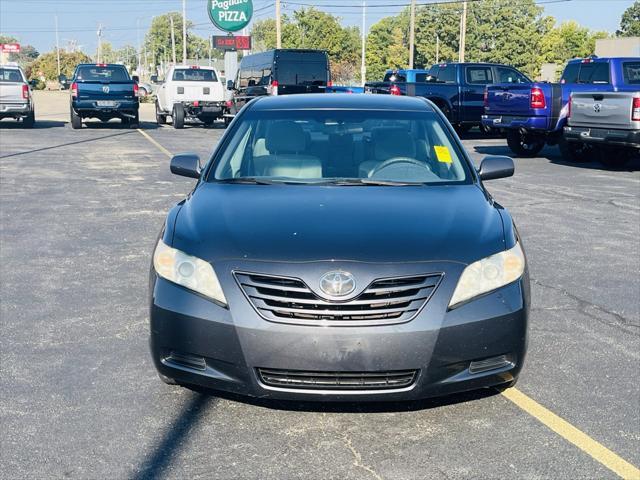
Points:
[231,85]
[186,165]
[136,78]
[496,166]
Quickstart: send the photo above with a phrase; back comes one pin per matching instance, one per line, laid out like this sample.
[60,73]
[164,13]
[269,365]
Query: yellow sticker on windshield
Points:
[442,153]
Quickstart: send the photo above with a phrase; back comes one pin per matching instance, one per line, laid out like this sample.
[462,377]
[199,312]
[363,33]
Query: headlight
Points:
[488,274]
[188,271]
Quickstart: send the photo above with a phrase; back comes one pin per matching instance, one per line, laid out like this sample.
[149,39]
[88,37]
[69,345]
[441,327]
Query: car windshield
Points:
[10,75]
[194,75]
[94,73]
[380,147]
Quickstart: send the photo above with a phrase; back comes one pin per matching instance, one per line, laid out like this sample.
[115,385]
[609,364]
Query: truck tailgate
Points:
[11,92]
[508,99]
[105,91]
[198,91]
[603,109]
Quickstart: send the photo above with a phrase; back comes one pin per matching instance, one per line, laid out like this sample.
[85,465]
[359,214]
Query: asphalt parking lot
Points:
[80,211]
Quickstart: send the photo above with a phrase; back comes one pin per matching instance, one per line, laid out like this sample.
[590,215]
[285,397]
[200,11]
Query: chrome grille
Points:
[384,301]
[337,380]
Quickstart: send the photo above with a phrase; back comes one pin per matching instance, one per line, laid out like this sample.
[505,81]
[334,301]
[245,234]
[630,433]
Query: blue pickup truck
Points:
[456,88]
[104,91]
[534,114]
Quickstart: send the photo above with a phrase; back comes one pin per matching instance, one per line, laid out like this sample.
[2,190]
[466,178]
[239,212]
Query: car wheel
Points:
[487,130]
[524,144]
[178,116]
[76,120]
[29,120]
[612,157]
[573,152]
[160,118]
[135,121]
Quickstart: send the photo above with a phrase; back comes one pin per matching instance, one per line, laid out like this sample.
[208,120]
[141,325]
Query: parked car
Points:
[190,93]
[339,247]
[104,91]
[456,88]
[16,100]
[280,72]
[145,89]
[603,125]
[63,81]
[534,114]
[344,89]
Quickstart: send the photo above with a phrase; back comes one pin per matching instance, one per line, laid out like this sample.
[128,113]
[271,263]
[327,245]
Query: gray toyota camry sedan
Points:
[339,247]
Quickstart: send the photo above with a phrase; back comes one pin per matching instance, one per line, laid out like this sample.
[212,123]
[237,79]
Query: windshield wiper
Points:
[370,181]
[248,180]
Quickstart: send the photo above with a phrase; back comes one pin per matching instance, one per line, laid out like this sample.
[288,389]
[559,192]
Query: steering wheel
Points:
[399,161]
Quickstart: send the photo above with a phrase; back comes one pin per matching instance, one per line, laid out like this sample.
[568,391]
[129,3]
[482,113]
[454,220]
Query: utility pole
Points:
[173,41]
[57,45]
[412,32]
[463,31]
[184,32]
[99,43]
[437,48]
[363,65]
[278,26]
[139,49]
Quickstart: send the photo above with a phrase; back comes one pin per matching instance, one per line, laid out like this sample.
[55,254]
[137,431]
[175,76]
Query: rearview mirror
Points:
[136,78]
[186,165]
[496,166]
[231,85]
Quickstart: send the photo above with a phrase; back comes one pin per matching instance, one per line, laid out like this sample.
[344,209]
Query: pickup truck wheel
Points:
[160,118]
[524,145]
[29,120]
[178,116]
[573,152]
[135,121]
[76,120]
[612,157]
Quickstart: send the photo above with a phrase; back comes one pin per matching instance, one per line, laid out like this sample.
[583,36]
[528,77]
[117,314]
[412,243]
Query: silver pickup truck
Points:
[603,126]
[16,100]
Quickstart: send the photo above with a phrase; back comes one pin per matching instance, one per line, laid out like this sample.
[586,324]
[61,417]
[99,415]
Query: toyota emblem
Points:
[337,284]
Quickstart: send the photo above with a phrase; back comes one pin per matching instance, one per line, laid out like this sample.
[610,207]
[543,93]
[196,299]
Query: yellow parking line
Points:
[570,433]
[160,147]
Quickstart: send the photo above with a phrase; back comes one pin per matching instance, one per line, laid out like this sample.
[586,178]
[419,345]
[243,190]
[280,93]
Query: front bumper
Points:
[603,136]
[233,343]
[540,124]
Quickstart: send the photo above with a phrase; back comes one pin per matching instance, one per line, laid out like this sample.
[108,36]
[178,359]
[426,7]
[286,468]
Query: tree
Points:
[158,40]
[630,21]
[568,40]
[48,64]
[387,46]
[312,28]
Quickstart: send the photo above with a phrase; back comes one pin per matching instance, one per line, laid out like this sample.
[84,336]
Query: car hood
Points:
[359,223]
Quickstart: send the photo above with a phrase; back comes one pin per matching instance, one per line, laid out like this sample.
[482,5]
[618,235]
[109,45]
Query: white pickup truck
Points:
[190,93]
[15,95]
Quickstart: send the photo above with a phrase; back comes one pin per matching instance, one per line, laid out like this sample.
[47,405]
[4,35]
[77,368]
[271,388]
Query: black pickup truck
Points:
[104,91]
[456,88]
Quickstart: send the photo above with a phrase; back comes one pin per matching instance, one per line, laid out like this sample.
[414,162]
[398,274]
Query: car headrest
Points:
[393,143]
[285,136]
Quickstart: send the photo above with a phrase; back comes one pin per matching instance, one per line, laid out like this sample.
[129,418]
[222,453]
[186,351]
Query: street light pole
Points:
[278,26]
[363,66]
[412,32]
[184,32]
[57,45]
[463,32]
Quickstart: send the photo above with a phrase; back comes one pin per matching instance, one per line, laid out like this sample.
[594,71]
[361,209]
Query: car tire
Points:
[178,116]
[487,130]
[30,120]
[135,121]
[160,118]
[524,144]
[573,152]
[612,157]
[76,120]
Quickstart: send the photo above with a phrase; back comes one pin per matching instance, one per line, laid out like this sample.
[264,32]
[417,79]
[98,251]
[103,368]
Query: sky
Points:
[33,21]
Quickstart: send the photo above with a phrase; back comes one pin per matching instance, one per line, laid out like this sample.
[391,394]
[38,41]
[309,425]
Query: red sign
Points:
[10,47]
[228,42]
